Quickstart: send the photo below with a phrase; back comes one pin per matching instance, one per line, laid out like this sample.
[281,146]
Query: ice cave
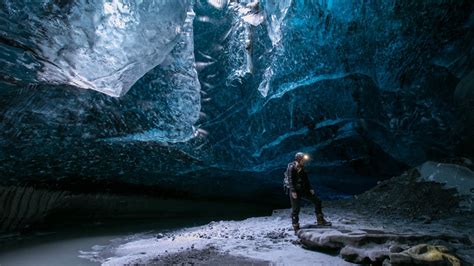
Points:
[236,132]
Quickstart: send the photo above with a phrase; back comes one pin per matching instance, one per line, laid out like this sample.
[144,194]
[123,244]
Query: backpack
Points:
[286,181]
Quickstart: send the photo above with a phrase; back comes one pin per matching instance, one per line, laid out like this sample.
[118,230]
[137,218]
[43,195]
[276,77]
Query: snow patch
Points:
[263,238]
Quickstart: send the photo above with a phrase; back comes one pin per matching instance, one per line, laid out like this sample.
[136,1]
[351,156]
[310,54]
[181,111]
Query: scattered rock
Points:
[277,235]
[208,256]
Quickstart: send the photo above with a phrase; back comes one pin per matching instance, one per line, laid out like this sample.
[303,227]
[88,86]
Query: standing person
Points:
[297,182]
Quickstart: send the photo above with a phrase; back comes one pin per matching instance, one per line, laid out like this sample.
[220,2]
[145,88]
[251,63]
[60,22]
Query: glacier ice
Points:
[219,4]
[365,86]
[163,105]
[246,16]
[101,45]
[175,93]
[275,11]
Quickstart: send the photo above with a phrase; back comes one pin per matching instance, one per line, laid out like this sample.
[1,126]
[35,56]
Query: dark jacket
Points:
[297,178]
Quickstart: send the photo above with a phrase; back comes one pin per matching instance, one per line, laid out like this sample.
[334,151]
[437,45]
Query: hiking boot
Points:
[321,221]
[296,227]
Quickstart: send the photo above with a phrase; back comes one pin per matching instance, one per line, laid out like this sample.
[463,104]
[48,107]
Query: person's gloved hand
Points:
[311,191]
[294,195]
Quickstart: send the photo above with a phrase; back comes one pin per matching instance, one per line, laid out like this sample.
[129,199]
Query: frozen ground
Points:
[261,240]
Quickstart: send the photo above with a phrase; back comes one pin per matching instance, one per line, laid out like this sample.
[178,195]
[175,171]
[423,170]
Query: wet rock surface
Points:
[377,246]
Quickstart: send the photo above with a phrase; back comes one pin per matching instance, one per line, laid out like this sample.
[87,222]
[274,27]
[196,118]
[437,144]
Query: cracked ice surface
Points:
[101,45]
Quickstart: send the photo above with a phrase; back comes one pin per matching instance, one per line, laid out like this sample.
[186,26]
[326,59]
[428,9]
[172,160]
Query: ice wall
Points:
[368,88]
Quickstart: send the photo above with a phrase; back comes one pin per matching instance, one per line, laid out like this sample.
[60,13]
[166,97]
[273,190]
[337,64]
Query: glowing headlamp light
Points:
[306,157]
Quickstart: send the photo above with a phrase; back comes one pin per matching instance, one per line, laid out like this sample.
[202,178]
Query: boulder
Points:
[424,254]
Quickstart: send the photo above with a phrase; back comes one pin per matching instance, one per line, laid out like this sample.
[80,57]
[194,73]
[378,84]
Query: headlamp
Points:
[306,157]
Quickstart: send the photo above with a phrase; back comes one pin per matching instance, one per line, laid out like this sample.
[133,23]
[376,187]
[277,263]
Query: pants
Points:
[296,204]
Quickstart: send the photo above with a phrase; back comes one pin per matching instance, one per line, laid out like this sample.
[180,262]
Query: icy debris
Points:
[101,45]
[452,176]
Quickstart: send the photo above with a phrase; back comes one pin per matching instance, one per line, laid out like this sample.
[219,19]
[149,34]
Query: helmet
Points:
[301,156]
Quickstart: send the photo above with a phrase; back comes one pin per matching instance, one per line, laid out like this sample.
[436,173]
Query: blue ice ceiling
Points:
[214,97]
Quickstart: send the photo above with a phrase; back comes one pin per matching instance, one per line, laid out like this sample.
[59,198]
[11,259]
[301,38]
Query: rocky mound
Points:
[406,195]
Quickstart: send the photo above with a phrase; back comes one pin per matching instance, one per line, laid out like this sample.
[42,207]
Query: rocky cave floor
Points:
[355,237]
[402,221]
